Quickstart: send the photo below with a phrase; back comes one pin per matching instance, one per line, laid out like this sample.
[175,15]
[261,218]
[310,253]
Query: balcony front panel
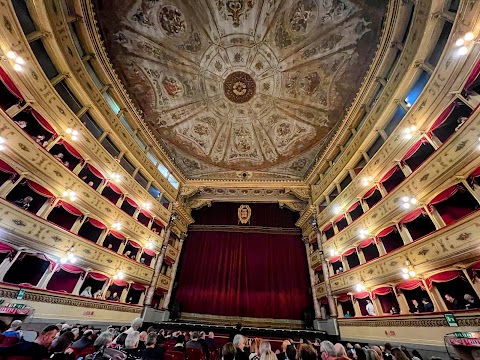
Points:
[315,259]
[163,282]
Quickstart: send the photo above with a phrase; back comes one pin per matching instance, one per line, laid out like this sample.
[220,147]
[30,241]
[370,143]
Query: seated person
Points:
[394,311]
[179,345]
[24,203]
[454,303]
[427,305]
[87,292]
[37,349]
[59,157]
[22,123]
[98,294]
[470,302]
[151,351]
[193,343]
[14,329]
[114,297]
[416,307]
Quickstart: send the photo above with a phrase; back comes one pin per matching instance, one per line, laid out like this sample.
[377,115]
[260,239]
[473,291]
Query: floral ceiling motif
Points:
[245,89]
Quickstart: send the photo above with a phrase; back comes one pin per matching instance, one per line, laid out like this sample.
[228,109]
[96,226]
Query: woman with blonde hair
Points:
[268,355]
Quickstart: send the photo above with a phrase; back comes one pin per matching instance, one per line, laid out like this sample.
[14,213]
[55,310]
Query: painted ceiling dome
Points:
[242,87]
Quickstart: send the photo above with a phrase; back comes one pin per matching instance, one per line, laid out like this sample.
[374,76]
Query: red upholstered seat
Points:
[174,355]
[9,341]
[195,354]
[2,337]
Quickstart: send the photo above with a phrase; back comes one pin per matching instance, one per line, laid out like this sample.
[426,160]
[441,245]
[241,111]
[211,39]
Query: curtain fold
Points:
[362,295]
[386,231]
[116,234]
[414,148]
[244,274]
[5,248]
[146,213]
[370,192]
[344,298]
[69,208]
[441,118]
[348,252]
[354,206]
[71,149]
[410,285]
[473,76]
[334,259]
[149,252]
[7,169]
[445,276]
[98,276]
[389,174]
[39,189]
[366,242]
[445,194]
[95,172]
[138,287]
[412,216]
[97,224]
[384,290]
[134,244]
[9,84]
[131,202]
[43,123]
[121,283]
[115,188]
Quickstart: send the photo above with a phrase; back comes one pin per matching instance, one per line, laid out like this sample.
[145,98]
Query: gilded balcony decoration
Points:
[24,228]
[315,259]
[171,253]
[163,282]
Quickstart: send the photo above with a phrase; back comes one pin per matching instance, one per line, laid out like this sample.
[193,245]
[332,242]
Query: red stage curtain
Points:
[43,123]
[95,172]
[9,84]
[441,119]
[257,275]
[445,276]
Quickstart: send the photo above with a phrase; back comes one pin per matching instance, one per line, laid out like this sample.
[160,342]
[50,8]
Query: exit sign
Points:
[451,320]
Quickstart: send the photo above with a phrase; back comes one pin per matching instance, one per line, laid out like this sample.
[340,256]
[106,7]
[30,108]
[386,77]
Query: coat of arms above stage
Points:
[244,214]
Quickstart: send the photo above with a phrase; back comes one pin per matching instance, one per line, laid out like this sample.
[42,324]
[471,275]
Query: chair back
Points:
[10,340]
[176,355]
[195,354]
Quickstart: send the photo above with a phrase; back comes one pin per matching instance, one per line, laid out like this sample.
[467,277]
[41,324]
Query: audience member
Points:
[264,347]
[131,344]
[291,352]
[24,203]
[193,343]
[347,314]
[255,349]
[151,351]
[14,329]
[282,355]
[372,355]
[416,307]
[341,354]
[120,340]
[229,351]
[307,352]
[211,340]
[387,352]
[470,302]
[269,355]
[454,303]
[87,292]
[370,309]
[203,342]
[398,354]
[427,305]
[180,344]
[22,123]
[239,343]
[416,355]
[361,353]
[37,349]
[59,157]
[103,340]
[114,297]
[63,342]
[85,341]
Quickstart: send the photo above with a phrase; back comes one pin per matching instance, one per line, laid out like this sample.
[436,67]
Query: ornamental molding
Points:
[302,193]
[37,296]
[305,216]
[196,204]
[296,206]
[244,229]
[421,321]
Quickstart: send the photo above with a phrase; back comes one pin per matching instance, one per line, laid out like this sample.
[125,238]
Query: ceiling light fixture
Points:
[117,225]
[116,177]
[12,55]
[69,257]
[363,233]
[150,245]
[408,272]
[367,180]
[73,133]
[337,209]
[70,194]
[119,275]
[2,142]
[147,205]
[464,43]
[408,132]
[408,201]
[360,287]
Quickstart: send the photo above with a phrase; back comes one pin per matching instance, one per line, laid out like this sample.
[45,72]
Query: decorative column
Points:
[361,256]
[404,234]
[402,303]
[79,223]
[380,247]
[106,287]
[47,208]
[142,297]
[435,296]
[435,217]
[42,283]
[356,307]
[316,305]
[168,296]
[126,289]
[158,265]
[326,274]
[81,280]
[472,284]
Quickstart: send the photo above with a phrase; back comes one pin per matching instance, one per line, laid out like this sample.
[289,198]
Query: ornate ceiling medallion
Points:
[239,87]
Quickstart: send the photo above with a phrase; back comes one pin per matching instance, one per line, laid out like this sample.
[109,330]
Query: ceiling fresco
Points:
[244,88]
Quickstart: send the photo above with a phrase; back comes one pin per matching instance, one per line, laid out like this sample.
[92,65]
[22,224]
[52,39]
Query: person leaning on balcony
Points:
[427,305]
[370,309]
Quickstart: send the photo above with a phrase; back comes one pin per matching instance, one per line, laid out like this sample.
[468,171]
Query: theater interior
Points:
[304,168]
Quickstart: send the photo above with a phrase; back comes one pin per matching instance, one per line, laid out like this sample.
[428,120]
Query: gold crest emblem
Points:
[244,214]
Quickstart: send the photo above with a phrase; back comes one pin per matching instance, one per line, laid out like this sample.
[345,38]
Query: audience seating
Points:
[195,354]
[175,355]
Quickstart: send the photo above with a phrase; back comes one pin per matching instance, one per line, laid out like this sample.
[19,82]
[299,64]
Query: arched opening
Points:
[418,224]
[352,258]
[387,299]
[36,126]
[147,257]
[355,211]
[66,154]
[158,298]
[113,241]
[29,196]
[144,217]
[112,193]
[392,178]
[451,119]
[115,290]
[329,232]
[418,153]
[416,296]
[131,249]
[157,226]
[454,203]
[372,197]
[454,289]
[341,222]
[363,298]
[28,269]
[391,239]
[65,278]
[369,249]
[129,206]
[96,281]
[91,176]
[64,215]
[92,229]
[9,93]
[134,294]
[345,302]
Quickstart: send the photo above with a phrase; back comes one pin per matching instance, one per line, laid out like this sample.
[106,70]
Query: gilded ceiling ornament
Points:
[244,214]
[172,20]
[234,9]
[239,87]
